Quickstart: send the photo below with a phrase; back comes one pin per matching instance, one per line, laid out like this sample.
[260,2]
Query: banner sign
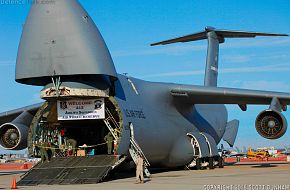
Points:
[81,109]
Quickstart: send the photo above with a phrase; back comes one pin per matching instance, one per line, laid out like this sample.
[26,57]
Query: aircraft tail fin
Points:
[244,149]
[238,150]
[215,37]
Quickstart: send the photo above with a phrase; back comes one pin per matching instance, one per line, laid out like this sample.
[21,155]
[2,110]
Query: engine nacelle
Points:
[271,124]
[13,136]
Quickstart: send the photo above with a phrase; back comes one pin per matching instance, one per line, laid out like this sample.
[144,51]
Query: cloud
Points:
[275,56]
[261,42]
[237,58]
[167,50]
[269,85]
[183,48]
[259,85]
[268,68]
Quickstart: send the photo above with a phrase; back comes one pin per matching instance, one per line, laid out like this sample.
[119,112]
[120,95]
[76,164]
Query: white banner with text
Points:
[81,109]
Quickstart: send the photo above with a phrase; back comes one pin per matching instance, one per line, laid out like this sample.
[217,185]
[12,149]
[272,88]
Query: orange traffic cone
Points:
[14,184]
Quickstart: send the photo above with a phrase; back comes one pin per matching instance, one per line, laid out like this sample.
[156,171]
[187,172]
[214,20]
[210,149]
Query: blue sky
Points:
[128,28]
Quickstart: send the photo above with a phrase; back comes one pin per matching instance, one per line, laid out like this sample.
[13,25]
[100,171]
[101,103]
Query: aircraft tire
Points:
[211,163]
[221,162]
[198,164]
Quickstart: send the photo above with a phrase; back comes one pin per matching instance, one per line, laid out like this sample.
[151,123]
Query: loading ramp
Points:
[70,170]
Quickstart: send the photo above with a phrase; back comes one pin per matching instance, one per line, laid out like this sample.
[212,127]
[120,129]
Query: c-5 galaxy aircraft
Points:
[172,125]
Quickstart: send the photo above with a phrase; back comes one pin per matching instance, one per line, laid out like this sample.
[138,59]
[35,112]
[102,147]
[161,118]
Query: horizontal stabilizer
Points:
[231,132]
[220,33]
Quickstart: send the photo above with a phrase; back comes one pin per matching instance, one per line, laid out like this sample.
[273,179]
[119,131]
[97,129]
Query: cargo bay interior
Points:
[73,137]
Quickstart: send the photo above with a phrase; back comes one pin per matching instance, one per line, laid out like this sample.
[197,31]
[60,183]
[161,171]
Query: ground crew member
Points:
[36,149]
[109,140]
[139,169]
[43,151]
[72,144]
[54,148]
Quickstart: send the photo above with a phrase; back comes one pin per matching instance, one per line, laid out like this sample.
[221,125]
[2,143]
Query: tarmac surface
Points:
[254,176]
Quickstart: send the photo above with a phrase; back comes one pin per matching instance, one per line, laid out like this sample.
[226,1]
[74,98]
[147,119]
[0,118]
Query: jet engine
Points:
[271,124]
[13,135]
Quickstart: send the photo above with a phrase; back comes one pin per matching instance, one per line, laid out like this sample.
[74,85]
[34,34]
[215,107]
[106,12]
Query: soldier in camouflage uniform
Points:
[72,145]
[109,140]
[43,151]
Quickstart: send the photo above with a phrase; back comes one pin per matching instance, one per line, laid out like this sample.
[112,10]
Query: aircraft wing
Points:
[217,95]
[11,115]
[238,155]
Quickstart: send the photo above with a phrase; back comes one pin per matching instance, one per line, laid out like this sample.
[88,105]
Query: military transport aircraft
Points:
[286,151]
[172,125]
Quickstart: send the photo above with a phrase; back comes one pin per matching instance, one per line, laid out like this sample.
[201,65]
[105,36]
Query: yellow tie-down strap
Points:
[80,148]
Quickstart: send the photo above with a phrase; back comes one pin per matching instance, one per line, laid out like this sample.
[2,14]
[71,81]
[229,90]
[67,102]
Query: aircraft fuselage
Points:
[161,124]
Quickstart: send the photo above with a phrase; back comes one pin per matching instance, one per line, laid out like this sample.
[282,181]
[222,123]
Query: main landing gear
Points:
[211,163]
